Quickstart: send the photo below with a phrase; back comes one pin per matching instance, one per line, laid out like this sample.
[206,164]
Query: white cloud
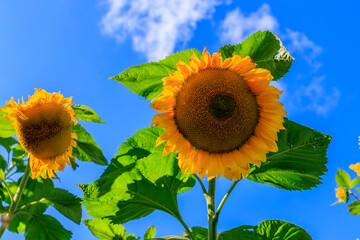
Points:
[156,26]
[315,98]
[299,42]
[236,26]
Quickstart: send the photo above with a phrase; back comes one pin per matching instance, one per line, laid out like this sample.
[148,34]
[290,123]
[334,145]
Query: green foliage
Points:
[242,232]
[37,196]
[7,143]
[87,150]
[6,129]
[354,207]
[300,161]
[146,79]
[138,181]
[354,182]
[66,203]
[150,233]
[199,233]
[277,229]
[43,227]
[172,237]
[104,229]
[265,49]
[342,178]
[85,113]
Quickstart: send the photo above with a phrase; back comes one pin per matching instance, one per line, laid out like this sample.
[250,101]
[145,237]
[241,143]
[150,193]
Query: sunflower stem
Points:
[210,199]
[216,218]
[201,183]
[6,218]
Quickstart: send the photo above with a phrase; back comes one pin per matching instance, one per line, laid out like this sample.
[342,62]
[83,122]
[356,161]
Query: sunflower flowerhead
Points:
[220,116]
[43,127]
[342,194]
[356,168]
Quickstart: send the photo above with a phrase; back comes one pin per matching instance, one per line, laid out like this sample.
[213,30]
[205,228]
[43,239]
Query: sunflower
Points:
[43,127]
[220,116]
[356,168]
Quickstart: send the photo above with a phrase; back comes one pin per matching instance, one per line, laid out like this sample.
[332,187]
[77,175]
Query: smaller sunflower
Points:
[356,168]
[43,127]
[342,194]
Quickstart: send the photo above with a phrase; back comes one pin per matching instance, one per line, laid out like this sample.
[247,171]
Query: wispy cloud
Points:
[156,26]
[315,98]
[236,26]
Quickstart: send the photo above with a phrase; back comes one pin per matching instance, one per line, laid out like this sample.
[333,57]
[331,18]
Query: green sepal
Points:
[146,79]
[265,49]
[150,233]
[104,229]
[343,178]
[6,129]
[299,162]
[86,149]
[86,114]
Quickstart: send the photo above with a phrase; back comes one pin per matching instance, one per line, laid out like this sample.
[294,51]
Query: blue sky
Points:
[74,47]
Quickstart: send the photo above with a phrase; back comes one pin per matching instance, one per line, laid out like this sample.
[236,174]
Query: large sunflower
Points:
[220,116]
[43,127]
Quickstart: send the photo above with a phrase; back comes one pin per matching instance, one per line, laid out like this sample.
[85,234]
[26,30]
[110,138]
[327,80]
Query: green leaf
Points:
[342,178]
[87,150]
[354,207]
[7,143]
[45,227]
[354,182]
[66,203]
[6,129]
[265,49]
[85,113]
[3,163]
[242,232]
[2,175]
[358,189]
[172,237]
[150,233]
[300,161]
[146,79]
[277,229]
[104,229]
[137,183]
[199,233]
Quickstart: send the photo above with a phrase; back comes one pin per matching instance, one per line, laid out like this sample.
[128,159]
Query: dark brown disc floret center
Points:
[216,111]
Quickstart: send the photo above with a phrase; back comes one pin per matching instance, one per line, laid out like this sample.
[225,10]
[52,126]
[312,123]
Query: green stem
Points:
[6,219]
[216,218]
[210,199]
[188,231]
[354,195]
[201,184]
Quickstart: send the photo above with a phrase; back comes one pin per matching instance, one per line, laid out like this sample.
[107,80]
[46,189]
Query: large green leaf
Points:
[354,207]
[85,113]
[265,49]
[343,178]
[104,229]
[138,181]
[199,233]
[354,182]
[45,227]
[6,129]
[242,232]
[300,161]
[277,229]
[66,203]
[87,150]
[145,79]
[150,232]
